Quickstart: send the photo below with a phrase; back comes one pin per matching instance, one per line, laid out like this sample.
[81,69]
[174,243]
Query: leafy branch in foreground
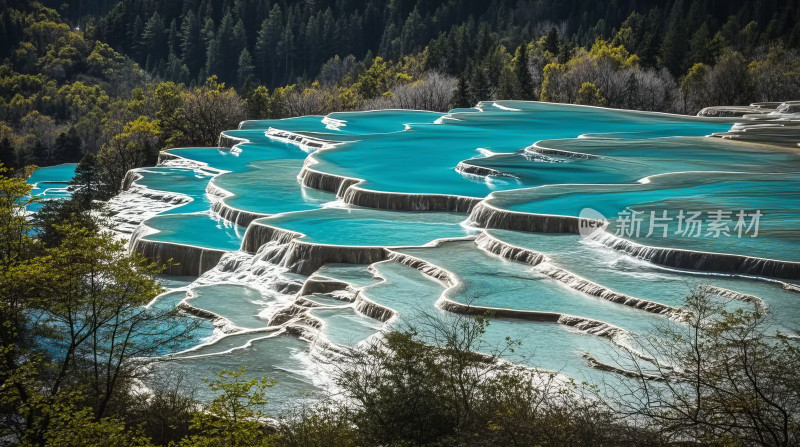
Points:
[724,377]
[235,417]
[76,325]
[440,384]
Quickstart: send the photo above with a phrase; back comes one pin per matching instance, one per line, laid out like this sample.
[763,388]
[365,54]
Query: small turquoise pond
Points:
[51,182]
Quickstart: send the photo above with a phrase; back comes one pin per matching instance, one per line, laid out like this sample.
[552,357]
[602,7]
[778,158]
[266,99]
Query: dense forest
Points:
[284,41]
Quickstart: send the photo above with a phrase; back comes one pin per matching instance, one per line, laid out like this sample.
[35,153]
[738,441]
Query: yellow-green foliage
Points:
[136,145]
[60,420]
[14,225]
[87,295]
[57,73]
[235,417]
[694,75]
[348,99]
[602,49]
[78,99]
[567,82]
[549,84]
[103,60]
[375,81]
[590,94]
[258,103]
[87,284]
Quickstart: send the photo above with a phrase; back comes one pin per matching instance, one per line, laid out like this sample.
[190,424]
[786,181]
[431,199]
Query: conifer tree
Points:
[191,50]
[522,73]
[245,72]
[674,45]
[266,45]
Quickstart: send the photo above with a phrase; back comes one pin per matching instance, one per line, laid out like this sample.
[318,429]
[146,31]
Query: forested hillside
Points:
[284,40]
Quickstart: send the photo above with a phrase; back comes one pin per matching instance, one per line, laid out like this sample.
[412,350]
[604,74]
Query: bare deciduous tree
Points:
[433,92]
[716,375]
[208,110]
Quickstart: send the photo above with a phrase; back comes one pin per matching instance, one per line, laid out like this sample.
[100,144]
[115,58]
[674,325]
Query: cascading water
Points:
[309,234]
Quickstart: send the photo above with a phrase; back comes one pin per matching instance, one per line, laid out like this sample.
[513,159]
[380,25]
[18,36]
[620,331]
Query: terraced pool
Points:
[325,231]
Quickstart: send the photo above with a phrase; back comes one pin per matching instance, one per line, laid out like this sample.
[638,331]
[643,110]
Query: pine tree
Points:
[213,62]
[153,39]
[480,90]
[551,42]
[700,50]
[239,41]
[68,146]
[173,38]
[211,48]
[134,37]
[389,41]
[245,73]
[266,44]
[461,96]
[310,42]
[674,45]
[328,37]
[8,157]
[631,91]
[228,49]
[85,183]
[192,54]
[523,73]
[286,50]
[175,70]
[412,33]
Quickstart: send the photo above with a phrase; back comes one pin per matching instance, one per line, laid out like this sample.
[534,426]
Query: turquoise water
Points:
[261,177]
[358,275]
[270,187]
[282,358]
[378,121]
[641,279]
[198,328]
[385,148]
[239,160]
[175,282]
[190,182]
[51,182]
[345,326]
[367,227]
[776,196]
[391,162]
[308,123]
[347,123]
[495,282]
[62,173]
[200,229]
[628,160]
[543,158]
[239,304]
[545,345]
[220,158]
